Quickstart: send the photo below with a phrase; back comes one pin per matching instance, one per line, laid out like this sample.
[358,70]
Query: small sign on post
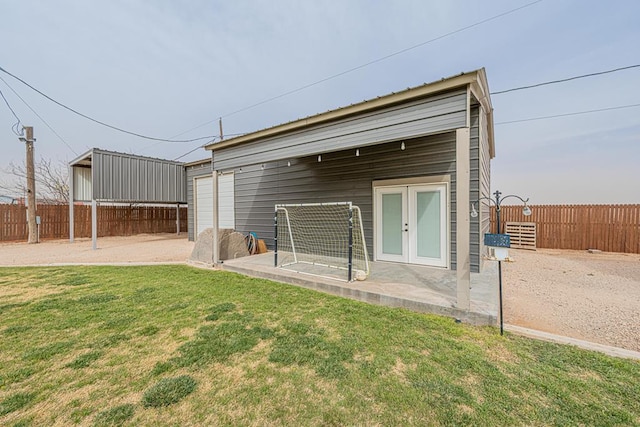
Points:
[38,227]
[498,245]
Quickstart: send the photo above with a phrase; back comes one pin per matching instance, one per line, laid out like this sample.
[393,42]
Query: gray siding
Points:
[474,185]
[122,177]
[480,183]
[485,178]
[193,172]
[341,176]
[435,114]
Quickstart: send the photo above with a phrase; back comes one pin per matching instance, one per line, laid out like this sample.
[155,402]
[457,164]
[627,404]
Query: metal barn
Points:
[101,176]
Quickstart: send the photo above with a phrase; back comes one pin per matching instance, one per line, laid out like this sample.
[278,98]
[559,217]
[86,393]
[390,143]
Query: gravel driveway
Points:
[164,247]
[593,297]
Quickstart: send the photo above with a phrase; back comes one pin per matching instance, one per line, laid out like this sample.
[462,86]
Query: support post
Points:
[31,186]
[350,264]
[216,246]
[178,218]
[463,225]
[94,224]
[71,210]
[499,225]
[275,238]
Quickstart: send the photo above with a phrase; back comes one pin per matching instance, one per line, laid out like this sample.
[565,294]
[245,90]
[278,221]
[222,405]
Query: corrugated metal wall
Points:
[132,178]
[192,172]
[81,183]
[427,116]
[341,176]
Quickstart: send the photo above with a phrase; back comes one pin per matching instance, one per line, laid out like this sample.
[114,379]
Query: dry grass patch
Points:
[272,354]
[24,293]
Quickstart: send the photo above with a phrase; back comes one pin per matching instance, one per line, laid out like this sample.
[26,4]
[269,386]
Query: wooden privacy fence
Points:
[112,221]
[610,228]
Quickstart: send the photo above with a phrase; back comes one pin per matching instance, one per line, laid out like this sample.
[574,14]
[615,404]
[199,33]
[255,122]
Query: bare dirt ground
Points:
[141,248]
[593,297]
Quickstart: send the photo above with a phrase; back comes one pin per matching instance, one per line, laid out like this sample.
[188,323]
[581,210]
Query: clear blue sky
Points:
[163,67]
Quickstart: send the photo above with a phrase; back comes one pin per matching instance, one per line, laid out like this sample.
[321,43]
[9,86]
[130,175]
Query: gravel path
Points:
[131,249]
[593,297]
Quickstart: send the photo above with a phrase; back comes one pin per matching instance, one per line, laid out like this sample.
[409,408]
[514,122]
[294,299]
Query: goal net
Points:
[324,239]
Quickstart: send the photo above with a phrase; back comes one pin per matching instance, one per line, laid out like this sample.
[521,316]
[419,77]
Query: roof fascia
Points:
[480,90]
[198,162]
[82,157]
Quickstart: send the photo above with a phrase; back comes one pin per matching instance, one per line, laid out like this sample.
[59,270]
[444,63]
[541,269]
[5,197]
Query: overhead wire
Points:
[531,119]
[40,117]
[375,61]
[197,148]
[582,76]
[205,144]
[212,138]
[99,121]
[16,126]
[272,98]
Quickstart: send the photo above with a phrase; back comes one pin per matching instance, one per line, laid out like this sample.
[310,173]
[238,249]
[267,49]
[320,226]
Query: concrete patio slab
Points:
[418,288]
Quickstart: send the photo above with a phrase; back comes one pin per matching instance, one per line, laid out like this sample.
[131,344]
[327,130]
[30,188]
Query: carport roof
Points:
[85,158]
[475,80]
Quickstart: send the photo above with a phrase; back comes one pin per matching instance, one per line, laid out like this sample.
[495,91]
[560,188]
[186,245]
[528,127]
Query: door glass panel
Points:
[428,224]
[392,224]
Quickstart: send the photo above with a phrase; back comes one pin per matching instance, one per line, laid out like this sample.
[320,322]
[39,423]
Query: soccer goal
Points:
[323,239]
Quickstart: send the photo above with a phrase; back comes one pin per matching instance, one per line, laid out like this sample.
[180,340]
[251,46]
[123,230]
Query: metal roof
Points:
[120,177]
[84,159]
[475,80]
[198,162]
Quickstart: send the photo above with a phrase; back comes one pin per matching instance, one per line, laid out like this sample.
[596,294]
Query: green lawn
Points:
[175,345]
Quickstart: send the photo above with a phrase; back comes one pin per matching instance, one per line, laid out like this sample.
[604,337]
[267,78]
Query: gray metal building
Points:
[427,146]
[101,176]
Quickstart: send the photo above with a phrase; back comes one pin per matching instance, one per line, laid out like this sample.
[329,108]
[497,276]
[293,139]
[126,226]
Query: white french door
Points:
[411,224]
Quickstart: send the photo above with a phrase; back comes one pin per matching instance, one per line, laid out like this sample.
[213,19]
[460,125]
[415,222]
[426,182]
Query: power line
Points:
[565,80]
[16,126]
[375,61]
[98,121]
[205,144]
[531,119]
[38,115]
[197,148]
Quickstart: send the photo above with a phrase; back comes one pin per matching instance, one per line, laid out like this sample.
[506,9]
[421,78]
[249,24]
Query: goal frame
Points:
[350,227]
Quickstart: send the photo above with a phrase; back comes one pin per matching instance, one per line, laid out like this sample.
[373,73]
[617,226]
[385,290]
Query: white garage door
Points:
[204,202]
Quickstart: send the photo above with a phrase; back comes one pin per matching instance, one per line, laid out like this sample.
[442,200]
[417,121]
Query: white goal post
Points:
[321,239]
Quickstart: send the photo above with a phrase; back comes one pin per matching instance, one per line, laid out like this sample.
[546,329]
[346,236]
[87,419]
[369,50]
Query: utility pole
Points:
[31,186]
[220,124]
